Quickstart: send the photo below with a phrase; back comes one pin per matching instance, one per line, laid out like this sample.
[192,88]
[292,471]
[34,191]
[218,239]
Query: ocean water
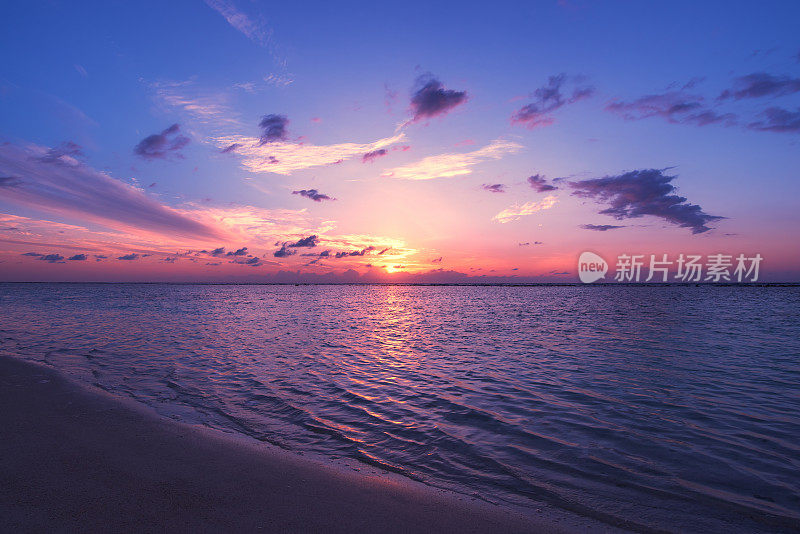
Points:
[654,408]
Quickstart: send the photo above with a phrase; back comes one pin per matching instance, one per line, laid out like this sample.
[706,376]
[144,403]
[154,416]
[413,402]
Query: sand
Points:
[74,458]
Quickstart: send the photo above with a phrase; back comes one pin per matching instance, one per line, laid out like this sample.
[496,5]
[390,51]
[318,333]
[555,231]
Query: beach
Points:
[76,458]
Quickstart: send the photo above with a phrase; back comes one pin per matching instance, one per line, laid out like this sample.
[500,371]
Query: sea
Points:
[652,408]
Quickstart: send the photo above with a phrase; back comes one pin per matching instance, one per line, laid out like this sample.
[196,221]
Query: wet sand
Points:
[76,458]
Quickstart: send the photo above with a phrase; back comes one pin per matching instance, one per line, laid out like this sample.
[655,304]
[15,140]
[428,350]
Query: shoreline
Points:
[75,457]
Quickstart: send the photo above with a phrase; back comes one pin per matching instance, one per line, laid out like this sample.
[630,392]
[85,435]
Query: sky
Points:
[247,141]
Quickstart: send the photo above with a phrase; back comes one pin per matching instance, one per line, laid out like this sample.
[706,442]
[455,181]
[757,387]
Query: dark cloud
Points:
[354,252]
[78,191]
[129,257]
[78,257]
[761,84]
[430,99]
[528,243]
[32,254]
[676,107]
[372,156]
[231,148]
[778,120]
[437,260]
[313,194]
[284,252]
[161,145]
[274,127]
[539,183]
[240,252]
[494,188]
[548,99]
[600,227]
[9,181]
[52,258]
[384,250]
[217,251]
[310,242]
[644,192]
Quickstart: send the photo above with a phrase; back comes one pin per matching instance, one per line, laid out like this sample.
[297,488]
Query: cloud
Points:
[161,145]
[675,106]
[761,84]
[313,194]
[9,181]
[548,99]
[240,252]
[77,190]
[52,258]
[202,105]
[528,243]
[539,183]
[240,21]
[285,157]
[310,242]
[283,252]
[778,120]
[129,257]
[515,212]
[230,148]
[430,99]
[600,227]
[354,252]
[494,188]
[78,257]
[644,192]
[274,127]
[373,155]
[66,153]
[449,165]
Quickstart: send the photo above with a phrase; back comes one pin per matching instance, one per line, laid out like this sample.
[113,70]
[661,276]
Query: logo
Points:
[591,267]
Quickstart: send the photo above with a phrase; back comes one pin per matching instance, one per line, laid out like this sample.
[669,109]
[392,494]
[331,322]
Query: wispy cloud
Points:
[71,188]
[761,84]
[549,98]
[252,27]
[778,120]
[200,104]
[449,165]
[254,31]
[674,106]
[515,212]
[288,157]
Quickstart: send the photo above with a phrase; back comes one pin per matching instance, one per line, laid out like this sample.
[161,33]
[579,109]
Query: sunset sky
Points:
[235,140]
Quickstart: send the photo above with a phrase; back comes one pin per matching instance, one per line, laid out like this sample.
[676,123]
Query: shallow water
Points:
[665,408]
